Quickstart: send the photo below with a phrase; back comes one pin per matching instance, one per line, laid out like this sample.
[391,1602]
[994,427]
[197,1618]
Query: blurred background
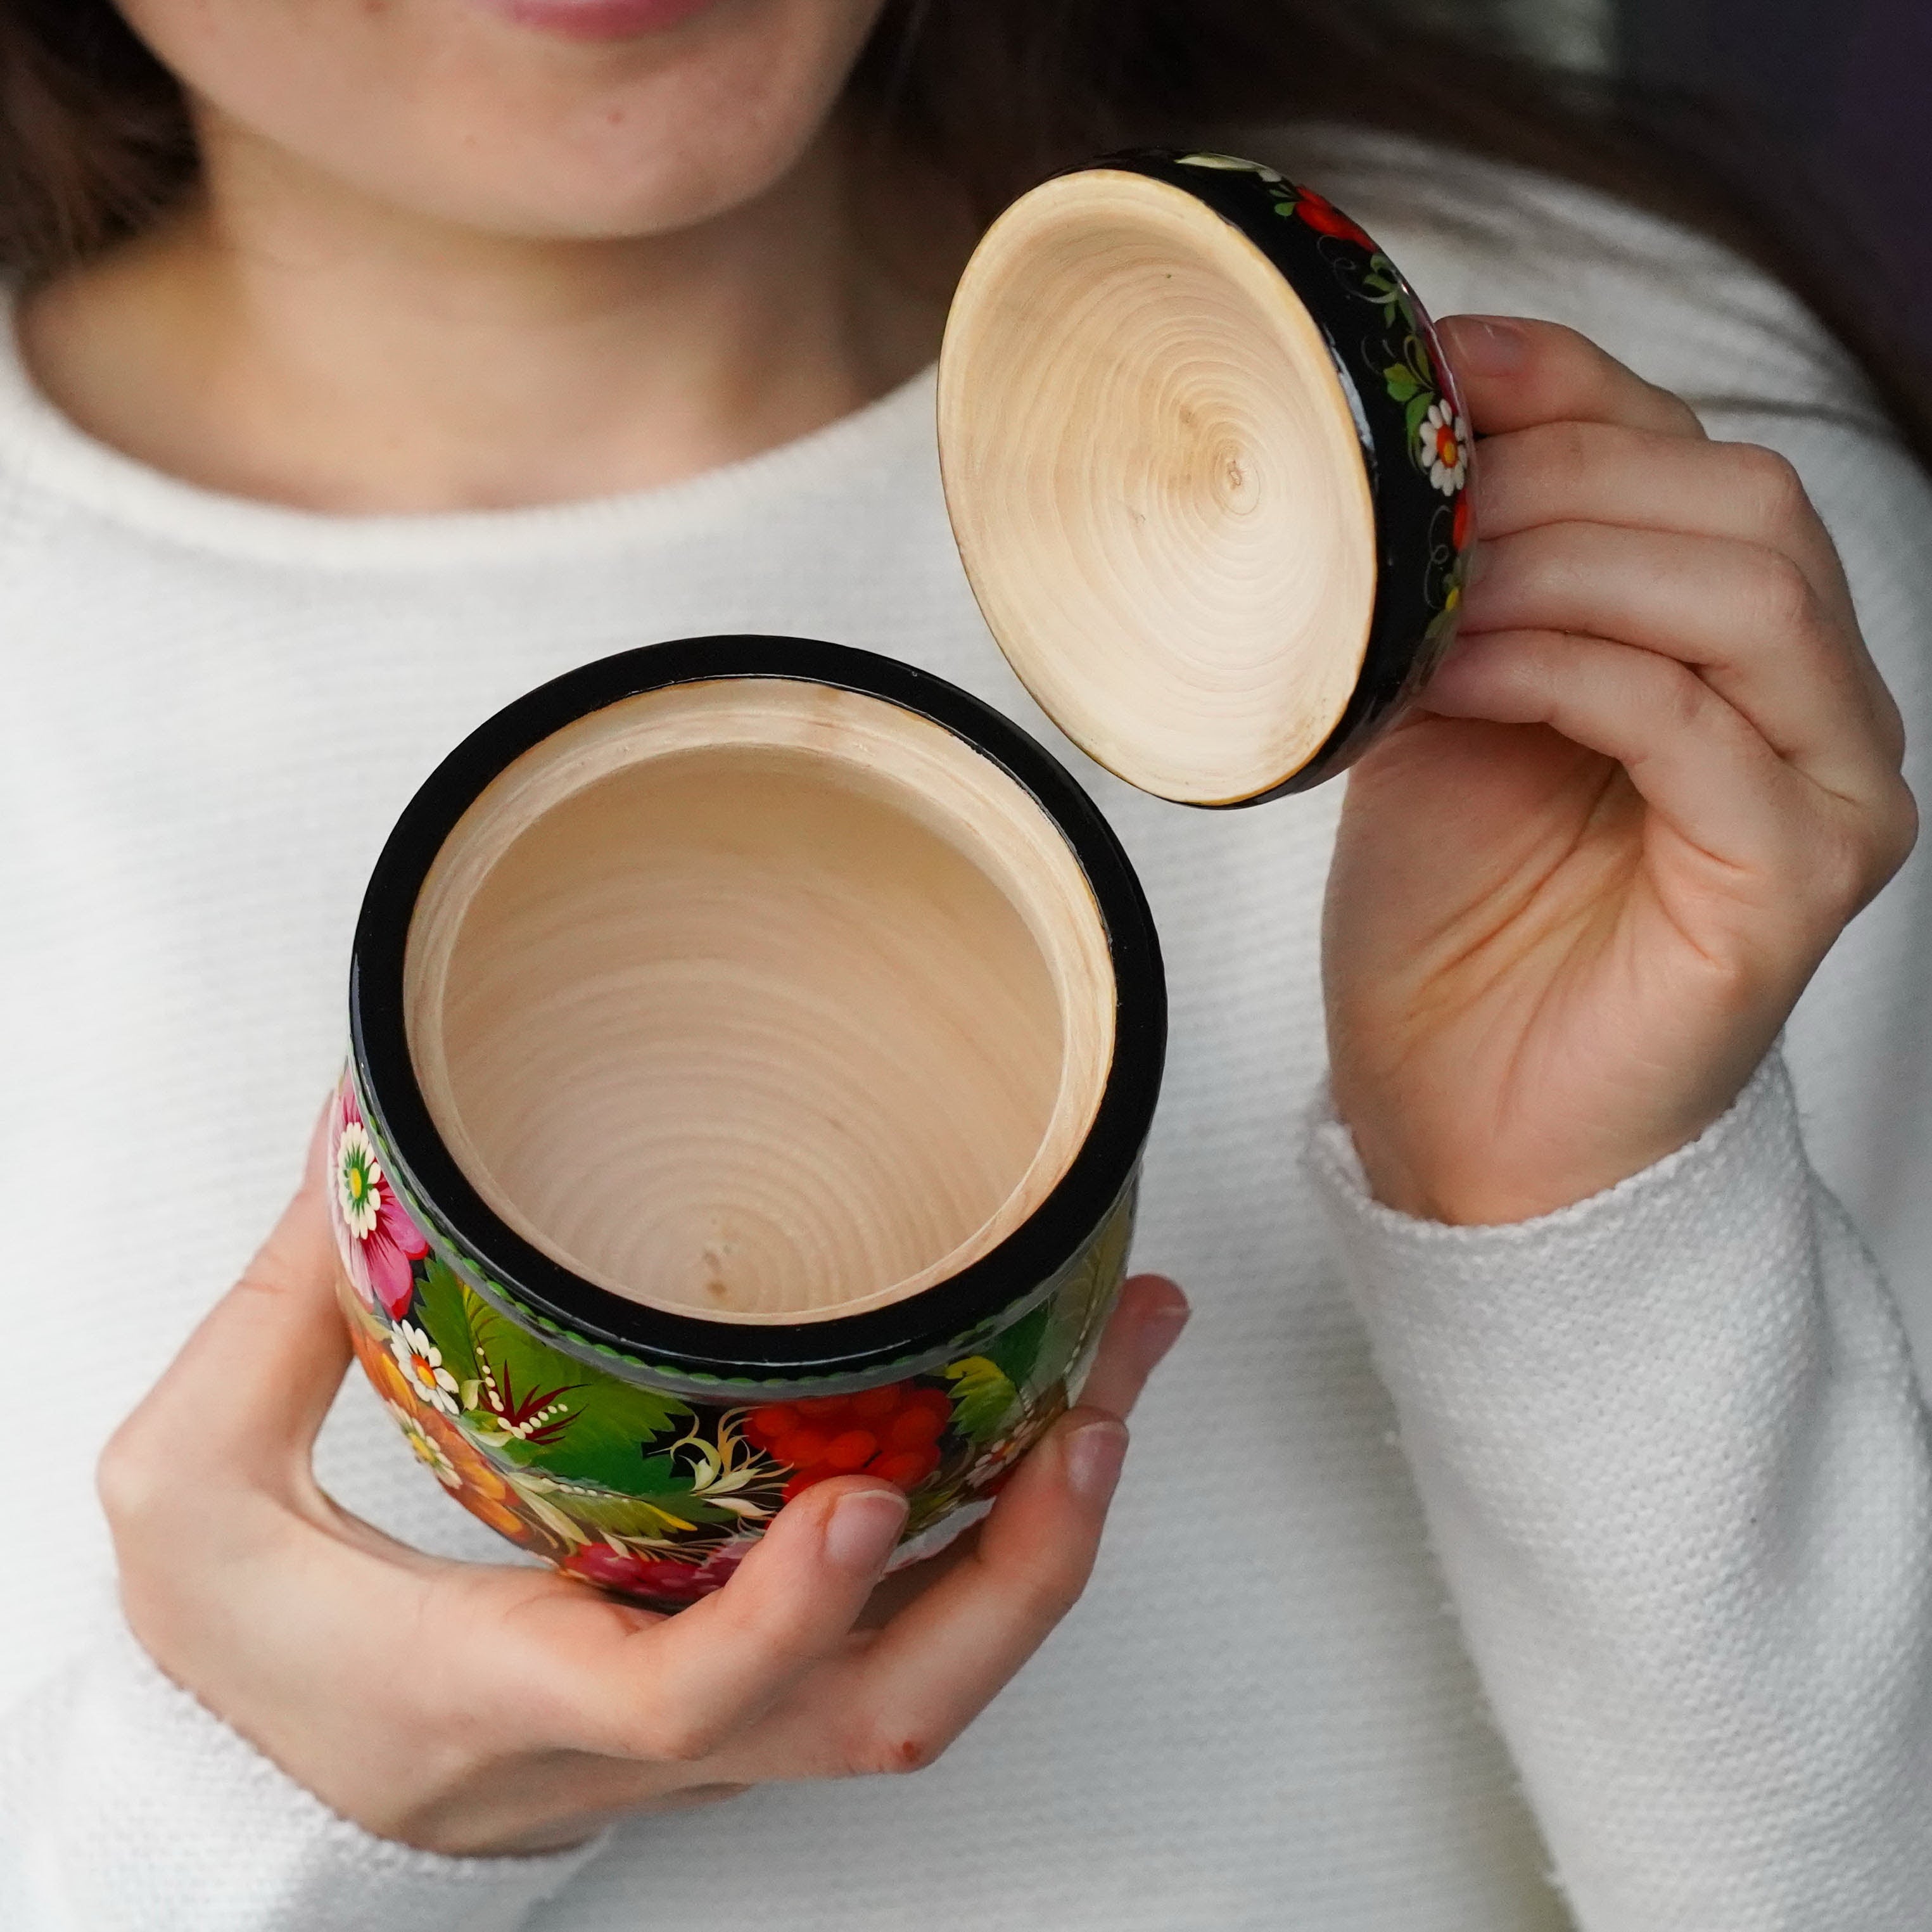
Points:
[1818,111]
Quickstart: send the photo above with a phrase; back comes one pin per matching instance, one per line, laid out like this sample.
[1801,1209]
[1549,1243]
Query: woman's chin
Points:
[563,119]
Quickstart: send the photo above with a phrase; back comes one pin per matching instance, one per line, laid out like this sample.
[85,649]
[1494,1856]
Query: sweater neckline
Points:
[46,450]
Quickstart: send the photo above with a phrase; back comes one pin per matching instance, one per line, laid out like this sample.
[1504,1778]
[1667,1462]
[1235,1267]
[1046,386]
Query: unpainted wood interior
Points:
[760,1000]
[1157,483]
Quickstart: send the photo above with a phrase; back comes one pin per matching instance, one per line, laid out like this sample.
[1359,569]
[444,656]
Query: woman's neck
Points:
[287,339]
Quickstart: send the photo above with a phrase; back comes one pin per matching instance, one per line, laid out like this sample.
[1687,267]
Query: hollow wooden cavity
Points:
[759,999]
[1156,480]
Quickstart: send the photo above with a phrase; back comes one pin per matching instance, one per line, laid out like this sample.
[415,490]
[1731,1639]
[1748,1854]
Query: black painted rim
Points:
[1011,1276]
[1399,653]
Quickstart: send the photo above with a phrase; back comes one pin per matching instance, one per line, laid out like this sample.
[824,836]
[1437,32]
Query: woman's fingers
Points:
[243,1400]
[673,1689]
[944,1657]
[1516,372]
[1693,757]
[1572,473]
[647,1695]
[1146,1323]
[946,1654]
[690,1683]
[1589,472]
[793,1601]
[636,1702]
[1744,618]
[897,1699]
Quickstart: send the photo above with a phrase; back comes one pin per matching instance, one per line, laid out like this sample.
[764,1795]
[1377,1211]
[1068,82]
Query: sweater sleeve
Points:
[1669,1442]
[1676,1471]
[126,1806]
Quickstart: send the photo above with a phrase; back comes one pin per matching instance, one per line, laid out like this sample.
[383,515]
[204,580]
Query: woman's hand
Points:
[1577,895]
[470,1709]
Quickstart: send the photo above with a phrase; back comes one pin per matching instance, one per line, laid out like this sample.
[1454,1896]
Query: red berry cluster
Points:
[660,1579]
[890,1432]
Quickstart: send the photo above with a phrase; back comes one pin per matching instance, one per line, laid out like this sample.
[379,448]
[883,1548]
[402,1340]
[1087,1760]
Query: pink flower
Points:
[373,1232]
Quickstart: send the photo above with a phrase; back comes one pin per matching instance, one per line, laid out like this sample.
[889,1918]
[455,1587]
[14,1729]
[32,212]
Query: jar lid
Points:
[1206,466]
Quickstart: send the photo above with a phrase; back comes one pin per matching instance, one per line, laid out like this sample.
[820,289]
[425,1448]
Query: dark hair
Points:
[1000,92]
[95,141]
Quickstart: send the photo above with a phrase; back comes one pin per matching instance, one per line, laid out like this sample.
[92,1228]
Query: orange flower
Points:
[382,1368]
[478,1486]
[484,1491]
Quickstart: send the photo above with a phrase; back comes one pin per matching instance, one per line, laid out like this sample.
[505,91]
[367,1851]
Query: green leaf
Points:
[1401,381]
[982,1397]
[656,1500]
[606,1515]
[442,1308]
[1417,413]
[1381,288]
[600,1435]
[598,1425]
[1015,1350]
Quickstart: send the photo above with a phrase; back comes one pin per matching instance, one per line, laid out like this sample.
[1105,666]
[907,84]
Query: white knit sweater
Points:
[1674,1643]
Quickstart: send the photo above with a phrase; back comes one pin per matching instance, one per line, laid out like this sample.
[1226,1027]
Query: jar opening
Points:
[760,1000]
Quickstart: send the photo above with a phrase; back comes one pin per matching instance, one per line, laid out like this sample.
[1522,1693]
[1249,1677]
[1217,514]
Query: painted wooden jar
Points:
[753,1040]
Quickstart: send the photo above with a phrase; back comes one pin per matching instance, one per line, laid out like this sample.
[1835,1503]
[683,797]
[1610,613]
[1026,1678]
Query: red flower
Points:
[373,1232]
[1460,535]
[1322,215]
[892,1432]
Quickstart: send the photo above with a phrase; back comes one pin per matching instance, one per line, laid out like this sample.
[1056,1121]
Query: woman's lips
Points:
[597,19]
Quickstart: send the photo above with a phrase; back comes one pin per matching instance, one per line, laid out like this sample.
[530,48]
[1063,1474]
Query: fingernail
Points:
[1093,1453]
[1161,1330]
[1485,345]
[863,1527]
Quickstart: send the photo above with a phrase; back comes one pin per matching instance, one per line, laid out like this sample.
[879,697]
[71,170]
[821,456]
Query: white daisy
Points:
[1444,448]
[358,1180]
[421,1361]
[428,1450]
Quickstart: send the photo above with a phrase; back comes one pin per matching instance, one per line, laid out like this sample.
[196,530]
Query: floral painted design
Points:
[1445,447]
[1409,359]
[1234,164]
[421,1361]
[1325,218]
[378,1240]
[428,1450]
[658,1496]
[613,1568]
[1290,199]
[892,1432]
[482,1489]
[441,1447]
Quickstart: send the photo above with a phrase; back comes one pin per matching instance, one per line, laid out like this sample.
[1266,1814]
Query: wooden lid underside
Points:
[1157,485]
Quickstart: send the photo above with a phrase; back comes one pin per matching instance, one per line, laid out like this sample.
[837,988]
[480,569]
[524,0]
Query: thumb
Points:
[251,1385]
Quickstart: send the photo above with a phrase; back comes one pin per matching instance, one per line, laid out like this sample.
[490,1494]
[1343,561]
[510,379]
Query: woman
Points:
[383,360]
